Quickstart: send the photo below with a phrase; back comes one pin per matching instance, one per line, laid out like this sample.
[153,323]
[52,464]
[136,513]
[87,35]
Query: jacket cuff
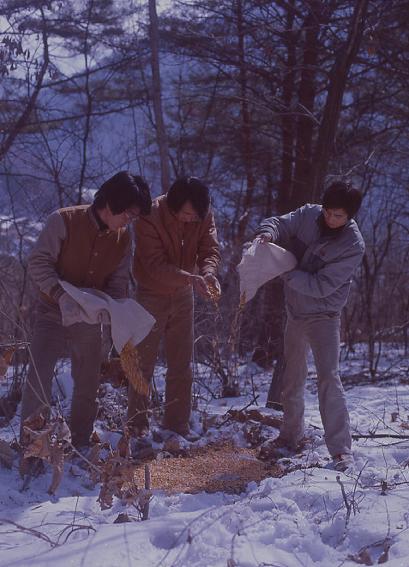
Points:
[208,272]
[56,292]
[262,231]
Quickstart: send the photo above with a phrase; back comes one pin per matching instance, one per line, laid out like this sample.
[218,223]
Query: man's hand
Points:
[70,310]
[200,286]
[263,238]
[213,286]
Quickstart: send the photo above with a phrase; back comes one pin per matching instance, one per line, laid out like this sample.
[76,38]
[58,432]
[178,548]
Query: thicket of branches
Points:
[267,101]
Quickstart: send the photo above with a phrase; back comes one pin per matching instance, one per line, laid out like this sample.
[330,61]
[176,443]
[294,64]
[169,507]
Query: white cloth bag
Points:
[129,320]
[262,262]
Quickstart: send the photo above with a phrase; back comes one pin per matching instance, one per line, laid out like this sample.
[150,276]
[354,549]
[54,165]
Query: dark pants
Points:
[174,322]
[50,341]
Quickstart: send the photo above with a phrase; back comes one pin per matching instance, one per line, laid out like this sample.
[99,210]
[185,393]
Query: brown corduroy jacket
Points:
[168,251]
[72,247]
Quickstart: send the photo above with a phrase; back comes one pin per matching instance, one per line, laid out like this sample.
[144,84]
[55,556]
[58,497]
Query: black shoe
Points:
[275,406]
[279,448]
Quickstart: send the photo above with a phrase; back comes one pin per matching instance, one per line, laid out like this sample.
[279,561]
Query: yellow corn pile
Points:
[130,365]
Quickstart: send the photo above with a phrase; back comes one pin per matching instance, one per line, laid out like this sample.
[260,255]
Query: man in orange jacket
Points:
[173,243]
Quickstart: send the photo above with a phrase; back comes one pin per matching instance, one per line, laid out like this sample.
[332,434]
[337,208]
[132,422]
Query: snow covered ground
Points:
[301,519]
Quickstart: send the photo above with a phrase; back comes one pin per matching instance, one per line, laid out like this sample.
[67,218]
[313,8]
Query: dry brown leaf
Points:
[57,462]
[130,365]
[253,433]
[47,443]
[35,422]
[38,446]
[362,557]
[118,478]
[123,445]
[6,454]
[5,360]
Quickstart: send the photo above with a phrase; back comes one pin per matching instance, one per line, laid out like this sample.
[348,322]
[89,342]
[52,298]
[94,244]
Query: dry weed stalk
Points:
[228,373]
[119,478]
[6,358]
[117,474]
[6,454]
[46,441]
[130,365]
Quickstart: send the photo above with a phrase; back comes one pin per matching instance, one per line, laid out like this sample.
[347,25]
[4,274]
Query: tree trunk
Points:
[161,136]
[300,190]
[287,121]
[270,344]
[25,115]
[332,110]
[246,145]
[88,112]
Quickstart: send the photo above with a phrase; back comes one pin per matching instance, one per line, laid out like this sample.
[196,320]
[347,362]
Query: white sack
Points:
[262,262]
[129,320]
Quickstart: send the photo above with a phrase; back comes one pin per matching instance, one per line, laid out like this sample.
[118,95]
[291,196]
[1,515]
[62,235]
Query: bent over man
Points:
[87,246]
[329,247]
[177,239]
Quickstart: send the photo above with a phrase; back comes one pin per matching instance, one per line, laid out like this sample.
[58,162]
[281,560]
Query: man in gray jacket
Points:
[329,247]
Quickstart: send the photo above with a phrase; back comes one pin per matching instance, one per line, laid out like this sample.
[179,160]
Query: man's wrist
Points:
[56,292]
[264,235]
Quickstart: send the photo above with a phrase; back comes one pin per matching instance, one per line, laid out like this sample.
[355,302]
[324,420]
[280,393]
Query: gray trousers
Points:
[174,323]
[50,342]
[323,336]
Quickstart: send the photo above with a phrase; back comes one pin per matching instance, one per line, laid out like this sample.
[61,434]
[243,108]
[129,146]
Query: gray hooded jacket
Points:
[327,260]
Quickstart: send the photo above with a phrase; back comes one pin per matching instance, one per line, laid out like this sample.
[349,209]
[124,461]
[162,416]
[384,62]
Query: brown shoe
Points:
[184,431]
[275,406]
[344,462]
[139,431]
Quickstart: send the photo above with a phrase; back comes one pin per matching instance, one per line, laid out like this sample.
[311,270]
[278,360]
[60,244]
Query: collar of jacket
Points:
[326,231]
[170,215]
[95,218]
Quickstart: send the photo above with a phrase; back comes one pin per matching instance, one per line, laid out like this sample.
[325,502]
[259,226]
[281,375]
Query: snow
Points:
[300,519]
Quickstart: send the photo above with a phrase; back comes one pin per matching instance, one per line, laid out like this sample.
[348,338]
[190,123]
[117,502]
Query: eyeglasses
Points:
[131,214]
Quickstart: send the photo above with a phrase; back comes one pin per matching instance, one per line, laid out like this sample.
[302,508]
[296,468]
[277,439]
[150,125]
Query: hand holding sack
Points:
[130,324]
[70,310]
[262,262]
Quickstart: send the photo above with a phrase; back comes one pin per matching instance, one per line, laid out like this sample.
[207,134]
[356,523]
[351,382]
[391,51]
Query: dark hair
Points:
[340,195]
[189,189]
[123,191]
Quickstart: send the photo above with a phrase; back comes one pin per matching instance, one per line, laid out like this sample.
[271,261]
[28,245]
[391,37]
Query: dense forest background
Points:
[266,101]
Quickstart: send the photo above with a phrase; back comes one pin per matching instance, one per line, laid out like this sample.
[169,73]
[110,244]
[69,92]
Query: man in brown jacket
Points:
[87,246]
[175,241]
